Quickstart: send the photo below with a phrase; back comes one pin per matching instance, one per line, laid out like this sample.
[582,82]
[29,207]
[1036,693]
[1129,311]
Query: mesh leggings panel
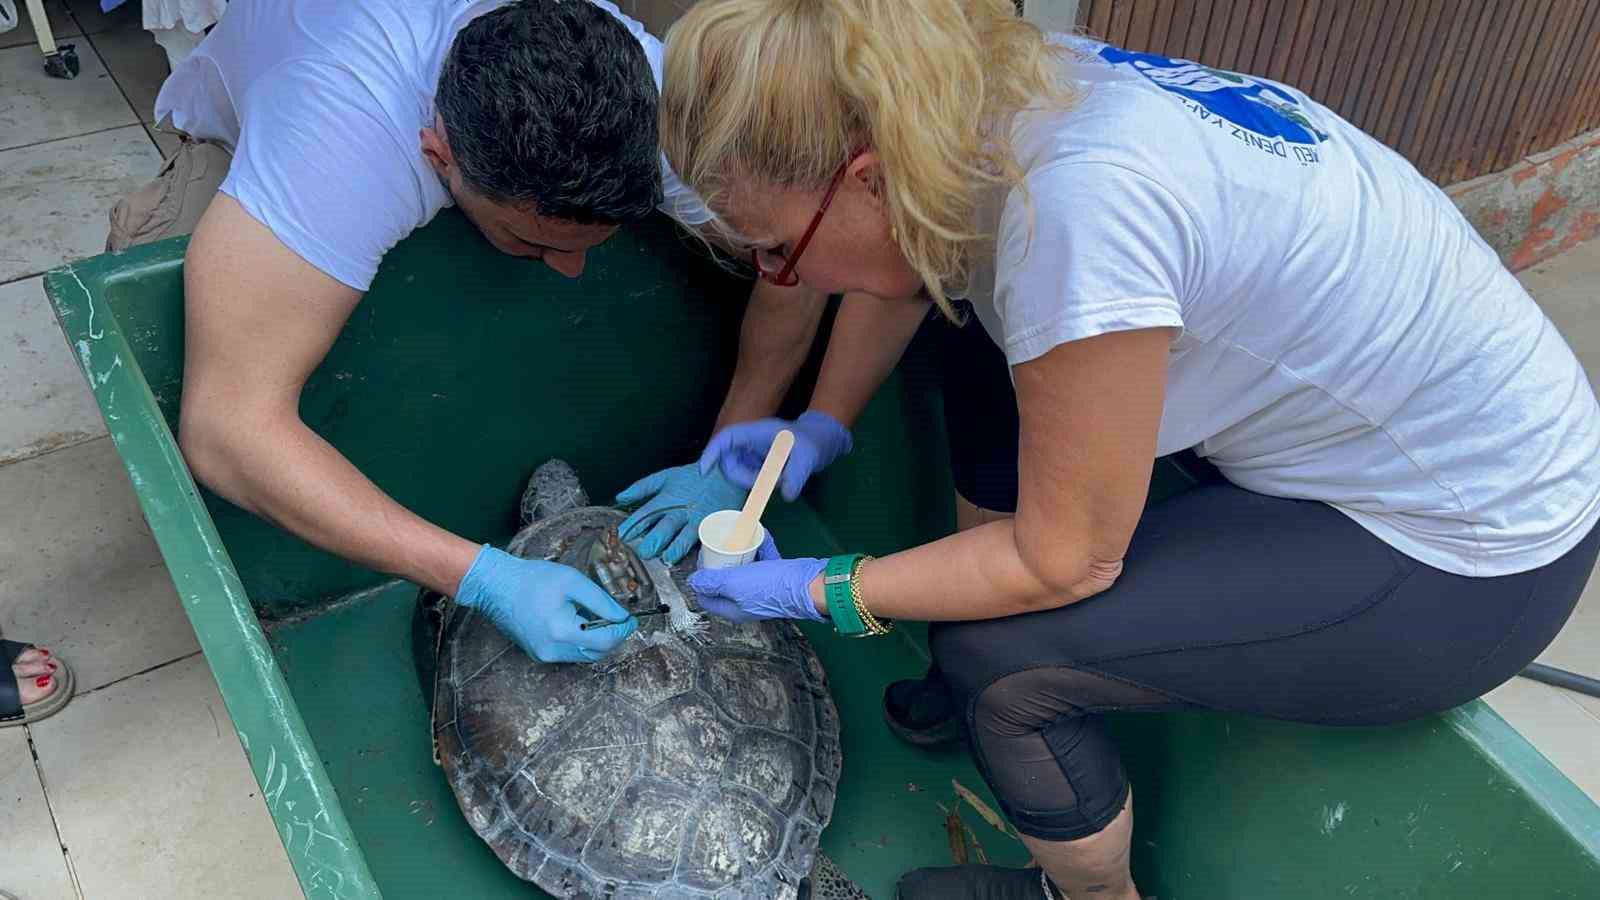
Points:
[1045,750]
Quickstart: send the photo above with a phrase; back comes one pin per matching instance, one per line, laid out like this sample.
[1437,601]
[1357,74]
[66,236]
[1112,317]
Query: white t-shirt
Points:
[1345,335]
[322,104]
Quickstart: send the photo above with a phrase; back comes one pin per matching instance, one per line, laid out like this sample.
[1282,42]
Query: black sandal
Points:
[922,711]
[12,711]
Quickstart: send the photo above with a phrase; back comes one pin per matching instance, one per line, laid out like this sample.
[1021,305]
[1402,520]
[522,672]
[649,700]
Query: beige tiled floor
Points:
[32,865]
[38,108]
[139,62]
[80,571]
[145,809]
[41,389]
[54,197]
[139,788]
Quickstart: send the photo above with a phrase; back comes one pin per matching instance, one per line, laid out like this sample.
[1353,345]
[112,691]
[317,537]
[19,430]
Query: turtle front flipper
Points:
[828,882]
[554,488]
[427,631]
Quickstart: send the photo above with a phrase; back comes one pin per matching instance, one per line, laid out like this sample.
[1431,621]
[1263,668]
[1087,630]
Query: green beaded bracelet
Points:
[836,590]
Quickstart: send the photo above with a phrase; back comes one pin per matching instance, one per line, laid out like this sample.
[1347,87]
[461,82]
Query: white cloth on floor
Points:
[180,25]
[190,15]
[178,42]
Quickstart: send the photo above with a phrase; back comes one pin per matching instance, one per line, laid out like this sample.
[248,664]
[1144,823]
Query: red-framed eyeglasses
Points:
[785,276]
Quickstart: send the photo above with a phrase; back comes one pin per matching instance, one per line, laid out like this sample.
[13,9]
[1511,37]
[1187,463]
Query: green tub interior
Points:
[464,369]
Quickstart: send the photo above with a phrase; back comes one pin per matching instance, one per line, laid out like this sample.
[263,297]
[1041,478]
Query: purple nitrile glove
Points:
[740,449]
[769,588]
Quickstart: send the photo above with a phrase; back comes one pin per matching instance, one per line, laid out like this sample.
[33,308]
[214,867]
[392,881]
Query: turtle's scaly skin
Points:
[675,768]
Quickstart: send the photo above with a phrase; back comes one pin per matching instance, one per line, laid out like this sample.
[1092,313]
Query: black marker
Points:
[661,610]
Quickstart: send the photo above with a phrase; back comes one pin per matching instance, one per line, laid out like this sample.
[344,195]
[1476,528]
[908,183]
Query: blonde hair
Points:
[781,92]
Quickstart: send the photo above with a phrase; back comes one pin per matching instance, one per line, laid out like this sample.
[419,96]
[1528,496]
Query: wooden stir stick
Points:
[744,527]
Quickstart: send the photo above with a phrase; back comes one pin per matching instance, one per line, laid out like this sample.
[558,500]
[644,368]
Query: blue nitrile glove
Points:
[769,588]
[669,521]
[536,604]
[740,449]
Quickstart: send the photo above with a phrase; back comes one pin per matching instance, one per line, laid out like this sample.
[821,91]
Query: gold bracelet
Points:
[873,623]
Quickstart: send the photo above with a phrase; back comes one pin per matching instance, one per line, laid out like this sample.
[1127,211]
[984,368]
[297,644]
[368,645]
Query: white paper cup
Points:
[714,550]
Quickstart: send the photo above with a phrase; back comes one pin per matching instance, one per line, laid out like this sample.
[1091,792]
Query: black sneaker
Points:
[974,883]
[922,711]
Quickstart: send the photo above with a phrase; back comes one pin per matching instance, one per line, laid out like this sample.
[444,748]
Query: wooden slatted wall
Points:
[1461,87]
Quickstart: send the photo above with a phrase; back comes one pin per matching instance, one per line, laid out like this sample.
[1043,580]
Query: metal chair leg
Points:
[59,62]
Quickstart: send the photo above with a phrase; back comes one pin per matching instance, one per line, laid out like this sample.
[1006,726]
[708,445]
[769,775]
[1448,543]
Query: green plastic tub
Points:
[463,369]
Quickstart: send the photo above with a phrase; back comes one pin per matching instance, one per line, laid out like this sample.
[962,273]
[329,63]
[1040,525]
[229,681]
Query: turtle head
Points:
[553,489]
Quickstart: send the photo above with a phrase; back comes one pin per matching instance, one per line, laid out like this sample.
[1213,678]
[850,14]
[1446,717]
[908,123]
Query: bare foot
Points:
[35,672]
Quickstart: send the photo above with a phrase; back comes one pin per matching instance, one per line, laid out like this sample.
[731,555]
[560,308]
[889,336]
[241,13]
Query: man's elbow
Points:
[211,448]
[202,445]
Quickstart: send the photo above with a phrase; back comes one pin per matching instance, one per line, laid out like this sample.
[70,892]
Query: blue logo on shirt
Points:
[1262,108]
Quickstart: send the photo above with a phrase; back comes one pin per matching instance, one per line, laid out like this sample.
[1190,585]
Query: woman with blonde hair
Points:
[1168,257]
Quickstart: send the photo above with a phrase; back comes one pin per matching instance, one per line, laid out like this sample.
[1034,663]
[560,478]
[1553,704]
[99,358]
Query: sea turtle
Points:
[699,760]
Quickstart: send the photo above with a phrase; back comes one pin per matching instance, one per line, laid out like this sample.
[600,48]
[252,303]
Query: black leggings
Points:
[1230,601]
[1237,602]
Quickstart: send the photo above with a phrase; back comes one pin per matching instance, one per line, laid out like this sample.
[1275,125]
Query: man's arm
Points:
[779,325]
[258,321]
[869,337]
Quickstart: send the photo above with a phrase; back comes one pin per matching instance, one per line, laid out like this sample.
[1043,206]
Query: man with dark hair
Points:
[554,110]
[316,135]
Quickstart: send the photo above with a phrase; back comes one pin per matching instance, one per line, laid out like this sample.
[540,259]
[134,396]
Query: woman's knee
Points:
[1034,727]
[1052,765]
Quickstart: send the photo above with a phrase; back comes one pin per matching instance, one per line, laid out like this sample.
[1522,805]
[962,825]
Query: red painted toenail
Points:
[42,681]
[45,652]
[52,666]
